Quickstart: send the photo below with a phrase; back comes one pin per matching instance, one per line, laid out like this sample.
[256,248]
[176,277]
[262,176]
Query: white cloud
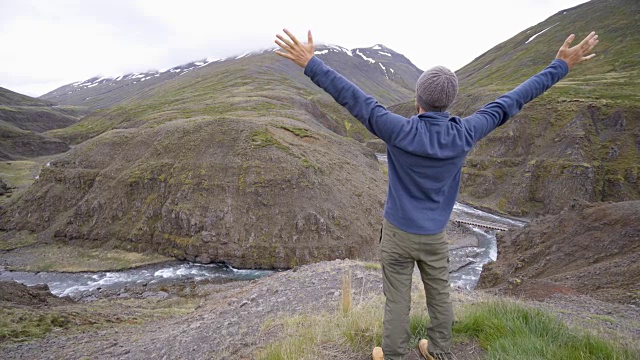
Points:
[46,44]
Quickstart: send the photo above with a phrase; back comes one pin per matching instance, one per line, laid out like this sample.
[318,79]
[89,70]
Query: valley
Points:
[228,208]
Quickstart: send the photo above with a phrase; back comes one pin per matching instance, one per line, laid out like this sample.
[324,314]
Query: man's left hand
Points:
[296,51]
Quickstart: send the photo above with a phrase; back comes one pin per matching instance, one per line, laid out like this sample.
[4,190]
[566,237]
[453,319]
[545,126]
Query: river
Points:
[82,283]
[465,276]
[475,257]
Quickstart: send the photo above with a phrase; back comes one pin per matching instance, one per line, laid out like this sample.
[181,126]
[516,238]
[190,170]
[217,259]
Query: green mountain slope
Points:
[224,80]
[17,144]
[23,118]
[612,76]
[8,97]
[581,139]
[33,114]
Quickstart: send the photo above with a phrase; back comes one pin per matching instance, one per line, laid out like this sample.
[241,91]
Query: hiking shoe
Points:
[377,353]
[423,347]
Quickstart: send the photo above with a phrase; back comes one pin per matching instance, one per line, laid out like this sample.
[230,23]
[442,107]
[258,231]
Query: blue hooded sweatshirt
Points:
[426,152]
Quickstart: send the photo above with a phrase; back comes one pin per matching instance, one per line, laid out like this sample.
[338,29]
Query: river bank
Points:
[238,320]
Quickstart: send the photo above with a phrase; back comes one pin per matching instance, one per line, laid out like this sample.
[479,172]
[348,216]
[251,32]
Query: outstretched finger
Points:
[295,40]
[309,38]
[591,45]
[567,42]
[288,56]
[588,38]
[588,57]
[283,46]
[289,44]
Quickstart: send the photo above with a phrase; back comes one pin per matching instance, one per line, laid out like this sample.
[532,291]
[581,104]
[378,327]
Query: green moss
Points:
[242,176]
[297,131]
[22,325]
[502,204]
[308,164]
[263,138]
[347,127]
[372,266]
[151,171]
[182,241]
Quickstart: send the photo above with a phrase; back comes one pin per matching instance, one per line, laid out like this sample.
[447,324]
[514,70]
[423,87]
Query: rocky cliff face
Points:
[592,249]
[552,154]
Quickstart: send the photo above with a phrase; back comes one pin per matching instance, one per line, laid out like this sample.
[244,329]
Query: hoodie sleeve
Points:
[375,117]
[496,113]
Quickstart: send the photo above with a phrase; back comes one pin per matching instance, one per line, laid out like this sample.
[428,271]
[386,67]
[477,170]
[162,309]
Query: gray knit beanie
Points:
[436,89]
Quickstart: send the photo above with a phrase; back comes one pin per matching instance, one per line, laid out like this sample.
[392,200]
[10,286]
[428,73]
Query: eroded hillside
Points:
[592,249]
[242,162]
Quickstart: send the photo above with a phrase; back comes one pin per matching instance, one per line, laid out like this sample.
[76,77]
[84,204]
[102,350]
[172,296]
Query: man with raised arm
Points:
[425,155]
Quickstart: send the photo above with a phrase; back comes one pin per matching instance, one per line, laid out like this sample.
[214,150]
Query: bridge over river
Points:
[483,224]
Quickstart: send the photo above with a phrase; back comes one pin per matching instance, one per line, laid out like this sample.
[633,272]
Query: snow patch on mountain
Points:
[243,55]
[384,69]
[370,60]
[340,48]
[168,73]
[534,36]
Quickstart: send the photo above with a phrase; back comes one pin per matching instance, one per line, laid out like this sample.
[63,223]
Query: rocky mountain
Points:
[244,161]
[374,69]
[579,140]
[596,253]
[100,92]
[385,74]
[22,121]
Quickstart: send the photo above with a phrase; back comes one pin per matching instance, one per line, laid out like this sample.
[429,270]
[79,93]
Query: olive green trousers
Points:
[399,251]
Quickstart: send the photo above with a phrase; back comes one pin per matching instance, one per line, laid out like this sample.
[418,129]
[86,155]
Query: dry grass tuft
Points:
[347,296]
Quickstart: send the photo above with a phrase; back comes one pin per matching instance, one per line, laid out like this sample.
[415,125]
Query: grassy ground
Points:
[504,329]
[24,324]
[510,330]
[17,240]
[20,174]
[68,258]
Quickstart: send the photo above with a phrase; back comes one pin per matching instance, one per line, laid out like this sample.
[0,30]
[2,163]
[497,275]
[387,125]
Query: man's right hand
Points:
[577,54]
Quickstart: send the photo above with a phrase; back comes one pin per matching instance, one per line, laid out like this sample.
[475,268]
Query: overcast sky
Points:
[45,44]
